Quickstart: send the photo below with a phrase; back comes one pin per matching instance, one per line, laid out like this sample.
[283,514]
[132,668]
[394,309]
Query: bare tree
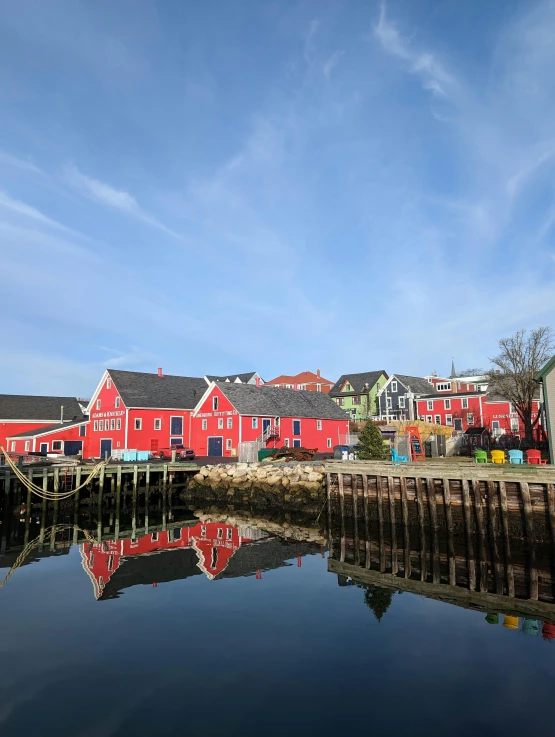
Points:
[512,374]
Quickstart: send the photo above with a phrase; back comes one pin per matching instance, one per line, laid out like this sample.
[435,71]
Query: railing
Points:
[272,431]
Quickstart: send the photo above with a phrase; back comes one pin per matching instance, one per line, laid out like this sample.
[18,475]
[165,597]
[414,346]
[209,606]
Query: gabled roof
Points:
[26,407]
[305,377]
[270,401]
[164,392]
[357,381]
[417,384]
[45,429]
[547,369]
[495,395]
[243,378]
[451,395]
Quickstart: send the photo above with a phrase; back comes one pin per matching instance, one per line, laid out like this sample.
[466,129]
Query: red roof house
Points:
[306,380]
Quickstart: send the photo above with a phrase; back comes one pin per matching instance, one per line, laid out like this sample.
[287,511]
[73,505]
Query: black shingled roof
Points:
[357,381]
[25,407]
[417,385]
[270,401]
[163,392]
[245,378]
[47,428]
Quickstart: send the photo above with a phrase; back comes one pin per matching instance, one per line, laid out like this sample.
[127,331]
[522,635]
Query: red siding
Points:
[9,429]
[68,433]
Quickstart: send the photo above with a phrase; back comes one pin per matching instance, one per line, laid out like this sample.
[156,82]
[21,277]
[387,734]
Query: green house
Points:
[357,394]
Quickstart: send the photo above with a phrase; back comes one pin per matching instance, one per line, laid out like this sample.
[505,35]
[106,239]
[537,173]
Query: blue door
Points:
[265,425]
[214,446]
[296,427]
[296,443]
[105,447]
[72,447]
[176,426]
[44,447]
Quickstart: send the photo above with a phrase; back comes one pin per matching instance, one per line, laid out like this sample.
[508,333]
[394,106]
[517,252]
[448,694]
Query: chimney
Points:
[318,373]
[61,414]
[160,374]
[257,380]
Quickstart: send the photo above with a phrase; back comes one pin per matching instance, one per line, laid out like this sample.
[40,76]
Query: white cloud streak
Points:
[332,62]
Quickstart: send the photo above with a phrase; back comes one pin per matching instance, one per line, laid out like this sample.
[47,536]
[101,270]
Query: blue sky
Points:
[271,186]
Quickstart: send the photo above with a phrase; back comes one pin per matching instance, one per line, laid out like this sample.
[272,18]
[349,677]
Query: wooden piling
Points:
[506,539]
[342,514]
[381,538]
[355,521]
[432,503]
[530,537]
[406,529]
[482,553]
[28,505]
[330,533]
[468,530]
[493,527]
[391,494]
[423,551]
[450,535]
[368,544]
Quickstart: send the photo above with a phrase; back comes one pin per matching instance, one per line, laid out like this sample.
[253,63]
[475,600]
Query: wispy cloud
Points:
[116,199]
[17,163]
[28,211]
[332,62]
[309,46]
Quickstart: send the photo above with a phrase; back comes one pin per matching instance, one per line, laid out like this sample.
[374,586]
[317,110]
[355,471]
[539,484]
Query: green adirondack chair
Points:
[480,456]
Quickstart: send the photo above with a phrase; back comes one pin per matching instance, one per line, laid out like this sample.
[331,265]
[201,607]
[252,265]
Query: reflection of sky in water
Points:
[290,654]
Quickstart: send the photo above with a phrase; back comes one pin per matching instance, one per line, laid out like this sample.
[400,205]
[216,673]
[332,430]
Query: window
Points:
[229,533]
[286,442]
[438,420]
[215,404]
[108,383]
[318,387]
[205,424]
[214,558]
[13,446]
[138,423]
[394,387]
[348,387]
[117,403]
[429,418]
[220,533]
[112,424]
[95,426]
[228,444]
[111,563]
[318,424]
[447,403]
[229,423]
[296,427]
[56,445]
[176,441]
[356,400]
[154,537]
[448,419]
[514,424]
[101,425]
[465,403]
[430,404]
[339,401]
[203,531]
[158,424]
[296,443]
[328,442]
[220,423]
[401,403]
[82,431]
[389,402]
[118,424]
[27,445]
[444,387]
[254,423]
[176,425]
[470,418]
[98,404]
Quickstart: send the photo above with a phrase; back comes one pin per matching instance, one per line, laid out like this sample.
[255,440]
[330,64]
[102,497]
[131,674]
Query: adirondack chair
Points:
[535,457]
[498,456]
[480,456]
[516,457]
[396,458]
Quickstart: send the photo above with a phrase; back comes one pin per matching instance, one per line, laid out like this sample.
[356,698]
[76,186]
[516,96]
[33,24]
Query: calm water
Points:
[209,628]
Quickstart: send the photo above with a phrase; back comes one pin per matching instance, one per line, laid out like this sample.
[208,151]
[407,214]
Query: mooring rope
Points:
[36,542]
[45,494]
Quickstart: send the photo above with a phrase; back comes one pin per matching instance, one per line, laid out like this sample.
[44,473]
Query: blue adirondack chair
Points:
[516,456]
[396,458]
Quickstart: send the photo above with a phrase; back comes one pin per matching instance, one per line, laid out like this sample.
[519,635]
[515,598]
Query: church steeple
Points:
[453,372]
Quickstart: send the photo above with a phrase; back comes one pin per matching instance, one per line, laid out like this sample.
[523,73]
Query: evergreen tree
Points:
[378,600]
[371,446]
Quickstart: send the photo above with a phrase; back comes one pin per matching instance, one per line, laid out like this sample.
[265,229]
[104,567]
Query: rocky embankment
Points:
[293,485]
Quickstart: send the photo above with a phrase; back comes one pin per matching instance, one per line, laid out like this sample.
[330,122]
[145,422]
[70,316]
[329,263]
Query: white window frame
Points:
[220,423]
[389,402]
[446,387]
[157,423]
[255,423]
[220,533]
[230,423]
[101,425]
[118,424]
[328,443]
[27,446]
[229,533]
[318,424]
[95,426]
[117,402]
[464,403]
[430,419]
[228,444]
[515,424]
[108,383]
[297,440]
[447,404]
[54,442]
[318,387]
[437,420]
[430,405]
[401,401]
[215,403]
[13,446]
[394,387]
[205,424]
[448,419]
[286,442]
[139,421]
[470,419]
[112,424]
[98,404]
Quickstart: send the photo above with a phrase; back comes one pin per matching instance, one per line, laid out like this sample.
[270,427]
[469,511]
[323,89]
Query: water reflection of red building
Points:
[214,544]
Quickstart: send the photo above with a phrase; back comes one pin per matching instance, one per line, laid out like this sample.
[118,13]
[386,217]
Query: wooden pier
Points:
[469,534]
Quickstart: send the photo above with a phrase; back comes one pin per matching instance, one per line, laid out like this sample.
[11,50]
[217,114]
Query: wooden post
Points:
[77,485]
[381,540]
[530,538]
[482,553]
[342,514]
[44,504]
[391,494]
[165,476]
[330,534]
[28,508]
[432,503]
[99,508]
[135,479]
[355,519]
[468,528]
[406,533]
[450,534]
[118,503]
[164,507]
[56,506]
[4,530]
[506,539]
[492,513]
[368,559]
[147,497]
[423,551]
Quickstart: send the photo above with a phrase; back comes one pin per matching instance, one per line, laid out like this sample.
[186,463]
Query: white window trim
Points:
[13,446]
[112,424]
[401,401]
[118,424]
[394,387]
[448,419]
[255,423]
[286,442]
[176,434]
[389,402]
[205,425]
[436,418]
[101,425]
[27,446]
[228,444]
[98,404]
[137,420]
[95,426]
[57,441]
[318,424]
[429,419]
[215,403]
[447,404]
[328,443]
[159,421]
[430,405]
[117,402]
[230,423]
[470,418]
[464,403]
[220,423]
